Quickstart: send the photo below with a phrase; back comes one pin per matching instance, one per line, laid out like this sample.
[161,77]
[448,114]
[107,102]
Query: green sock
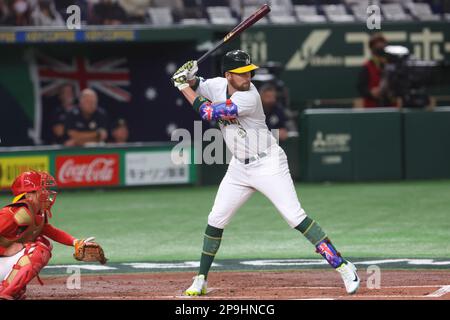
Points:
[311,230]
[211,244]
[314,233]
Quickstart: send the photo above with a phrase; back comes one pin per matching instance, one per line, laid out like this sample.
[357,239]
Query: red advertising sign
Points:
[87,170]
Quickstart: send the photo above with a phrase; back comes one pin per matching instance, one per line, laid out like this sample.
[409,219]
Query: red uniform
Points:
[374,79]
[18,223]
[26,222]
[369,78]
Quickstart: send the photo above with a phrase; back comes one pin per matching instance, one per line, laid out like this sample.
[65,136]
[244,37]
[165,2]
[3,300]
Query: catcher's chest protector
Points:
[26,226]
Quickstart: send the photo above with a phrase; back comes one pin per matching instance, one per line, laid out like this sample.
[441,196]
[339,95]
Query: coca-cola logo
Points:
[87,170]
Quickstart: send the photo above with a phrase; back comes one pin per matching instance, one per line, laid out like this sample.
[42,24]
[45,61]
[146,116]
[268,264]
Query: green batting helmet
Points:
[237,61]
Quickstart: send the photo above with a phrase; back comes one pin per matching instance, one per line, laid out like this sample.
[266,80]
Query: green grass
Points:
[395,219]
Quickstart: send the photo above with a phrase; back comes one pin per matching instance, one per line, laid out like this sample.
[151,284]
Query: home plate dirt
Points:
[267,285]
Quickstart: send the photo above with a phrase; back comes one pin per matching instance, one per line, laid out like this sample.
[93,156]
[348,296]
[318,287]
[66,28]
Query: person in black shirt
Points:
[89,123]
[275,116]
[108,12]
[59,115]
[119,132]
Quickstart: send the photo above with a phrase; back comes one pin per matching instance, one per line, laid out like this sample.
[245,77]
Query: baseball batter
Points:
[25,247]
[258,162]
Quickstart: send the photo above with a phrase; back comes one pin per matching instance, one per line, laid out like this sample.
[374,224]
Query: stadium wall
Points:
[316,58]
[381,144]
[102,167]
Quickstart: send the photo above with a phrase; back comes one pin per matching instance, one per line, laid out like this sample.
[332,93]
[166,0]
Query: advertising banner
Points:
[11,167]
[156,167]
[87,170]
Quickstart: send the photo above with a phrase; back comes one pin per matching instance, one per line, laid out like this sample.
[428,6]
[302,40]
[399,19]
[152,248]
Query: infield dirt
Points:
[273,285]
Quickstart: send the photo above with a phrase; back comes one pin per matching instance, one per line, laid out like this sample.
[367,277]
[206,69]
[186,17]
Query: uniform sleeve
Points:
[7,224]
[246,102]
[204,89]
[58,235]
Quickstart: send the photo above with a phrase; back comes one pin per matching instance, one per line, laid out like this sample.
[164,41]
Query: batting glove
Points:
[179,79]
[192,68]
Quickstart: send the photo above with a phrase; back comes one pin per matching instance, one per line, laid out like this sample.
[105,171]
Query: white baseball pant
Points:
[269,175]
[6,263]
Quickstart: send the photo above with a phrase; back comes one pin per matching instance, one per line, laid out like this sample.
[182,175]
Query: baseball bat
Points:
[245,24]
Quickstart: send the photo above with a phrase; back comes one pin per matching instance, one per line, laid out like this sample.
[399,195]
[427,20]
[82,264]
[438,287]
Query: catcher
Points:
[25,231]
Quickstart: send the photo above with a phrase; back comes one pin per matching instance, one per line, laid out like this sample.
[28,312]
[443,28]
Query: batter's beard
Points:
[242,87]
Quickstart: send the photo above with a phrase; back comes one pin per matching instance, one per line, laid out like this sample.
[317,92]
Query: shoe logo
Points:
[356,278]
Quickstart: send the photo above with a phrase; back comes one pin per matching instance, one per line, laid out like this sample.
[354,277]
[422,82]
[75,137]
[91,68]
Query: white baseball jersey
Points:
[247,135]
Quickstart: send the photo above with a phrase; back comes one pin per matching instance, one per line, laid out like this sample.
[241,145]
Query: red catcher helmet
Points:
[31,181]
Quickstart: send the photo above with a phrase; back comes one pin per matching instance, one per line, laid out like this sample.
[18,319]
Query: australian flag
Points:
[132,82]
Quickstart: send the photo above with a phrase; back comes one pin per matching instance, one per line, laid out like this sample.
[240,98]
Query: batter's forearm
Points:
[189,94]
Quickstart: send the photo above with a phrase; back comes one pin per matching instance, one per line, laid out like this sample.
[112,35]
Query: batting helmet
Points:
[31,181]
[237,61]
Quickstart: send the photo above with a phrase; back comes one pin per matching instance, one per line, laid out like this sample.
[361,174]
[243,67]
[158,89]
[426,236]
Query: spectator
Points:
[177,7]
[217,3]
[136,9]
[119,131]
[237,5]
[369,81]
[59,116]
[108,12]
[19,13]
[194,9]
[275,115]
[4,12]
[88,123]
[45,14]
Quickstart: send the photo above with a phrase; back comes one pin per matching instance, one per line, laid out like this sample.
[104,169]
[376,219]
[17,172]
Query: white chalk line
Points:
[356,296]
[440,292]
[304,299]
[340,287]
[401,287]
[443,289]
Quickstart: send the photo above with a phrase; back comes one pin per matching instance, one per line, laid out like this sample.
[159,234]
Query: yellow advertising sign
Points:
[11,167]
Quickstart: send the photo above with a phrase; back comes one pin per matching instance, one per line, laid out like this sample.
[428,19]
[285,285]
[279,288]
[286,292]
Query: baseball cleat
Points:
[198,287]
[349,276]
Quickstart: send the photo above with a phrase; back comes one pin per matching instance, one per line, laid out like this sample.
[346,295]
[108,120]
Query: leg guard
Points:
[35,257]
[329,252]
[314,233]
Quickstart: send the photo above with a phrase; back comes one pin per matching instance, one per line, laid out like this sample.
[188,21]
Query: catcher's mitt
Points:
[89,251]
